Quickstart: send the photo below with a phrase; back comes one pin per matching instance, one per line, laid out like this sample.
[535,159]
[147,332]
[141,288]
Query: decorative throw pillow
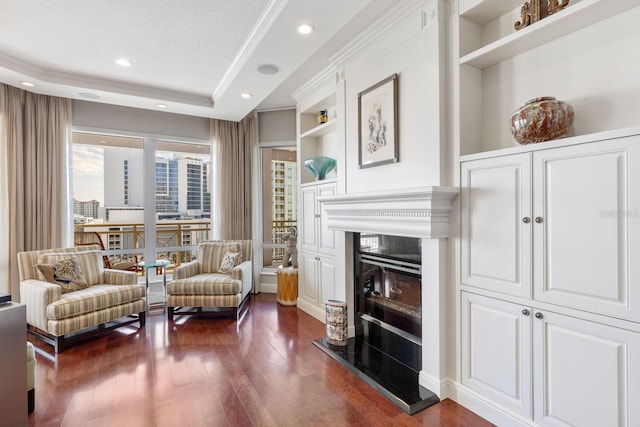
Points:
[66,273]
[230,260]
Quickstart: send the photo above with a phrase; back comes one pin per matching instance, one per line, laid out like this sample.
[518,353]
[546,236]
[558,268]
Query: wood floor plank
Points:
[263,371]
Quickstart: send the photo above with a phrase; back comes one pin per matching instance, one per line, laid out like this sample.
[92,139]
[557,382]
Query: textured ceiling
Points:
[195,56]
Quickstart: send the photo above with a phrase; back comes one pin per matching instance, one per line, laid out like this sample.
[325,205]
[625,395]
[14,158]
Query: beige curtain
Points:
[35,131]
[233,147]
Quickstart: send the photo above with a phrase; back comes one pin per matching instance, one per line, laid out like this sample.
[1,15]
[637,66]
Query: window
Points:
[280,200]
[110,196]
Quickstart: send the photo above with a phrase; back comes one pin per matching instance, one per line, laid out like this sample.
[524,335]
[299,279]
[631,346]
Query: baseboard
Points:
[269,288]
[311,309]
[483,407]
[430,383]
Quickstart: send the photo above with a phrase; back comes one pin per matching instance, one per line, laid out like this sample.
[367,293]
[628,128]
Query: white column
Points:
[435,329]
[149,179]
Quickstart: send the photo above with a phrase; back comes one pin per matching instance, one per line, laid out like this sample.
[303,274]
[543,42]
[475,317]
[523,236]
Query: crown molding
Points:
[320,78]
[377,28]
[265,22]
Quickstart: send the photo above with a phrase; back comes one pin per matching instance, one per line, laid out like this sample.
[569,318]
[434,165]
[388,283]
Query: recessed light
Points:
[28,84]
[162,105]
[89,95]
[268,69]
[245,95]
[305,28]
[123,62]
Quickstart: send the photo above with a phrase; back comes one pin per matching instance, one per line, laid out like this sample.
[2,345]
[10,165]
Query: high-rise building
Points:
[284,199]
[88,209]
[182,183]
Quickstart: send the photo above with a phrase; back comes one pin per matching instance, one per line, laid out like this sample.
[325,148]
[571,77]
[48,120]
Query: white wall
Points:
[413,53]
[277,125]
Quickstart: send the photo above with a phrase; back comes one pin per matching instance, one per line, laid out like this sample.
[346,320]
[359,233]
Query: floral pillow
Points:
[230,260]
[66,273]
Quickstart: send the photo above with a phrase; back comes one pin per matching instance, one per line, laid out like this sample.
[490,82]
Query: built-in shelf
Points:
[323,181]
[556,143]
[483,12]
[573,18]
[321,129]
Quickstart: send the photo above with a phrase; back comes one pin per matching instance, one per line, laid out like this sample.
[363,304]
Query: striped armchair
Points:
[56,311]
[218,280]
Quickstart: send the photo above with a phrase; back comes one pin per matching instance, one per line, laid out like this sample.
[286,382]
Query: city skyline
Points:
[88,171]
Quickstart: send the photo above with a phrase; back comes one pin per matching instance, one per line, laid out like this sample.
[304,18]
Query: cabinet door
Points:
[309,239]
[496,224]
[586,373]
[327,278]
[308,278]
[496,351]
[326,237]
[587,227]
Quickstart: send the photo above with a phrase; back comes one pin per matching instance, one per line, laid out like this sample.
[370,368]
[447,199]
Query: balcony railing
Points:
[125,242]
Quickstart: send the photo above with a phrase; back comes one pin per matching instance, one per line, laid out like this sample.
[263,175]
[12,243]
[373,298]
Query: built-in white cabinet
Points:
[496,351]
[316,237]
[318,247]
[556,369]
[563,219]
[496,243]
[318,279]
[549,279]
[551,228]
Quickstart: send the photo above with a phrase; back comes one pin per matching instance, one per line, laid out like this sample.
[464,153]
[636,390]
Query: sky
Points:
[88,173]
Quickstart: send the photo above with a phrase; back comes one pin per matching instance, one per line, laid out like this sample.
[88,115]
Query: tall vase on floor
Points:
[336,322]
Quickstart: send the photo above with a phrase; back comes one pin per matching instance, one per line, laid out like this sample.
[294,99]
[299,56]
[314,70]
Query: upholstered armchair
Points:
[69,295]
[218,280]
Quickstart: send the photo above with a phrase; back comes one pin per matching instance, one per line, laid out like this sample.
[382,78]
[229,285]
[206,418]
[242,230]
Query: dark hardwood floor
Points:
[210,372]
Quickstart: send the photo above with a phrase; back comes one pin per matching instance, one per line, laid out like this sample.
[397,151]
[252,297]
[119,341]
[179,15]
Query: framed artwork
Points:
[378,123]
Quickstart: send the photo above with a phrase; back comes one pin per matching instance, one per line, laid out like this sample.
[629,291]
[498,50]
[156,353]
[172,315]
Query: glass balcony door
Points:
[141,197]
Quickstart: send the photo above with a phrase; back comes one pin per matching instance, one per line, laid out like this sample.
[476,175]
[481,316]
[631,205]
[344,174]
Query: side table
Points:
[287,285]
[147,265]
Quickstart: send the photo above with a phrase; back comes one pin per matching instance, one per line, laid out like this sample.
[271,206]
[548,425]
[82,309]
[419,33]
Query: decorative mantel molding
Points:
[417,212]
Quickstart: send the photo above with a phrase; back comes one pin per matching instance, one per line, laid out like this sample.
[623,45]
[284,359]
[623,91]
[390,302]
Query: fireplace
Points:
[396,279]
[388,286]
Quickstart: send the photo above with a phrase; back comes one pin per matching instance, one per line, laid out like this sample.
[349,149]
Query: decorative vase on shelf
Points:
[320,166]
[541,119]
[323,117]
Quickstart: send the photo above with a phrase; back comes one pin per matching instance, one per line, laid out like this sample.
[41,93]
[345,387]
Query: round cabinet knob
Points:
[539,220]
[525,311]
[539,315]
[526,220]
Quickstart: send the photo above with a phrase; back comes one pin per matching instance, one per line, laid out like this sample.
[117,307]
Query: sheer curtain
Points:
[233,148]
[35,132]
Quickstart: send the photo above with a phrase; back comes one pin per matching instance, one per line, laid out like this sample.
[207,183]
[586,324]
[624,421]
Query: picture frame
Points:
[378,123]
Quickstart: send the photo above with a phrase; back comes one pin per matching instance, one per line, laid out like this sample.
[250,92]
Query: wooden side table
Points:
[287,285]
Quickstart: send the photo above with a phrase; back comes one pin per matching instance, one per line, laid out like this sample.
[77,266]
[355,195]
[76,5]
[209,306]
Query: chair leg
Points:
[31,400]
[170,313]
[142,317]
[59,344]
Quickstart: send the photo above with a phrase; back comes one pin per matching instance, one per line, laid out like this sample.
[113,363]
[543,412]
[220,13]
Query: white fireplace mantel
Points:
[418,212]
